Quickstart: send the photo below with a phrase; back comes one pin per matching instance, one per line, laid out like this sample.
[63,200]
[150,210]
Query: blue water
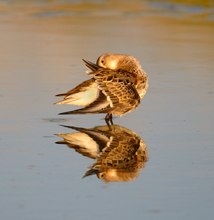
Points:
[41,57]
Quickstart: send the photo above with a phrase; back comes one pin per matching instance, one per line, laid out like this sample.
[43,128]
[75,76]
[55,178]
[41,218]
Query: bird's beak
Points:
[90,172]
[90,65]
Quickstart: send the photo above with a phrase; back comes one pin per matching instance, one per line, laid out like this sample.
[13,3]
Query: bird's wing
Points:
[120,148]
[100,105]
[82,95]
[119,87]
[99,136]
[81,87]
[81,142]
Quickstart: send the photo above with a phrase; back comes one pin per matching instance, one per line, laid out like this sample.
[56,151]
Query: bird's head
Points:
[118,61]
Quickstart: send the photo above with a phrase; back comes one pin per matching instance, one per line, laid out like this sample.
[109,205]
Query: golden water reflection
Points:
[119,154]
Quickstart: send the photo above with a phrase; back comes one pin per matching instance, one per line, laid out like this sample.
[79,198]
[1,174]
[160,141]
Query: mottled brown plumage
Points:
[119,153]
[118,83]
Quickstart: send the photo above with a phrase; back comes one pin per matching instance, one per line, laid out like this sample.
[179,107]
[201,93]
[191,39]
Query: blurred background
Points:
[42,43]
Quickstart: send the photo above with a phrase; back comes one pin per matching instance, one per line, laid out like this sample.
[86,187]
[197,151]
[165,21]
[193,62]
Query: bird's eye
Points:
[102,61]
[101,175]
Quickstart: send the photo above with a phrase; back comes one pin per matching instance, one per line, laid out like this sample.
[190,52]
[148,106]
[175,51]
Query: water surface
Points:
[42,44]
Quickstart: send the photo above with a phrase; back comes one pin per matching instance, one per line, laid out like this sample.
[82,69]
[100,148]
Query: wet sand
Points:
[42,45]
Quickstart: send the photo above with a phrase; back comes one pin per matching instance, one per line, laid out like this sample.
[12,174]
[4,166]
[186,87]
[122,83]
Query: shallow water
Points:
[42,44]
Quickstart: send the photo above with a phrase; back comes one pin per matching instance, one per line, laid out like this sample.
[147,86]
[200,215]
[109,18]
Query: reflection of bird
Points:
[120,153]
[118,83]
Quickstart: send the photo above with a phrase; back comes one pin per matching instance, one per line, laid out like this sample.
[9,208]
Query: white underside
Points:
[82,98]
[86,144]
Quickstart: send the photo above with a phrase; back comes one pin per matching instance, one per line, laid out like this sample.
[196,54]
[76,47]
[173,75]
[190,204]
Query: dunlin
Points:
[119,153]
[118,83]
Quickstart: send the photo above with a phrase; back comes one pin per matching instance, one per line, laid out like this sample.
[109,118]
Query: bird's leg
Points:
[108,119]
[111,119]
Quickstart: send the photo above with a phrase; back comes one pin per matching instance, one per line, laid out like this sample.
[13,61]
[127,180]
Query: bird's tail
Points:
[101,105]
[79,111]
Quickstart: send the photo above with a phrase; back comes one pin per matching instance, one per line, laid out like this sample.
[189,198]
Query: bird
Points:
[117,84]
[119,153]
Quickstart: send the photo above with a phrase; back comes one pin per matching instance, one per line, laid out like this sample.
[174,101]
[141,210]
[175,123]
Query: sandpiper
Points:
[118,83]
[119,154]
